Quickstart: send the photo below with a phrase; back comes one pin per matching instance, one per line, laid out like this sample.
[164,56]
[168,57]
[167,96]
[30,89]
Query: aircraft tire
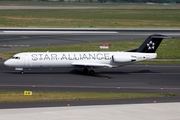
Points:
[91,72]
[85,71]
[22,72]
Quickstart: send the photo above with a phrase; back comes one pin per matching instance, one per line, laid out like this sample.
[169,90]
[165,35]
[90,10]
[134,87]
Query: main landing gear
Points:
[86,71]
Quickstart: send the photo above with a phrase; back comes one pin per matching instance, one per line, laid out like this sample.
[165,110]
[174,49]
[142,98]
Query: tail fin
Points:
[151,43]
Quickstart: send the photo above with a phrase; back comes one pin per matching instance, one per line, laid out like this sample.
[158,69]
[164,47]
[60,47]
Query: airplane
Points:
[87,60]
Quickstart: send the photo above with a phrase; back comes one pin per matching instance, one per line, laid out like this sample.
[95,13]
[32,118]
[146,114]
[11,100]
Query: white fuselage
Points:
[74,59]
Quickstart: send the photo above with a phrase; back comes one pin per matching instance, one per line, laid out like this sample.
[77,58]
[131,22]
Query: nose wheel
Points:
[22,72]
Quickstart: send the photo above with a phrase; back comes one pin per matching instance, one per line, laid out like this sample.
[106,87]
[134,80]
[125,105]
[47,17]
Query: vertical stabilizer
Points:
[151,43]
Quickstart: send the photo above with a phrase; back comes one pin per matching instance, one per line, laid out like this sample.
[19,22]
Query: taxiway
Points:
[137,78]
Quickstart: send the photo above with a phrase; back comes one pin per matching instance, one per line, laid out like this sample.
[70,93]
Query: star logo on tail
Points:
[151,45]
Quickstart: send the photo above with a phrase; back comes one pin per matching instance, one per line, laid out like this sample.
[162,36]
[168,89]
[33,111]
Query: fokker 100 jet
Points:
[86,60]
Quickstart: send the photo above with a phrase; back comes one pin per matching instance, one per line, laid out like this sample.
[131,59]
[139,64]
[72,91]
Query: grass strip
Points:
[18,96]
[91,18]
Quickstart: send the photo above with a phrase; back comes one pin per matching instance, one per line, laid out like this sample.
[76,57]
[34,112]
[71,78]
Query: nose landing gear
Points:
[20,69]
[22,72]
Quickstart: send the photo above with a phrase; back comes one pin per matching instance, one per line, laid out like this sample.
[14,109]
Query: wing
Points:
[92,65]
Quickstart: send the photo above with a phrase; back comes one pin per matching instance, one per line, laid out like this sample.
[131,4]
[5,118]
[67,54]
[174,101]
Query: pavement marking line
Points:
[92,87]
[160,66]
[24,37]
[7,39]
[158,73]
[62,32]
[16,45]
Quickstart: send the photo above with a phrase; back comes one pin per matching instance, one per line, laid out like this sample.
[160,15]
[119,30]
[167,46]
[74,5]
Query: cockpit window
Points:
[15,58]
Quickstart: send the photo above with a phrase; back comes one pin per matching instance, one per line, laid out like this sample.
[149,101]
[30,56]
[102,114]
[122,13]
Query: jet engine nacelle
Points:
[123,58]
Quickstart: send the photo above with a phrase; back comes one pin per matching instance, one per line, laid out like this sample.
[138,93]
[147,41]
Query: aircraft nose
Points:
[7,63]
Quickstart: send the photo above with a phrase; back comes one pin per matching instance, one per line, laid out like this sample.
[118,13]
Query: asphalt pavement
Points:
[137,78]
